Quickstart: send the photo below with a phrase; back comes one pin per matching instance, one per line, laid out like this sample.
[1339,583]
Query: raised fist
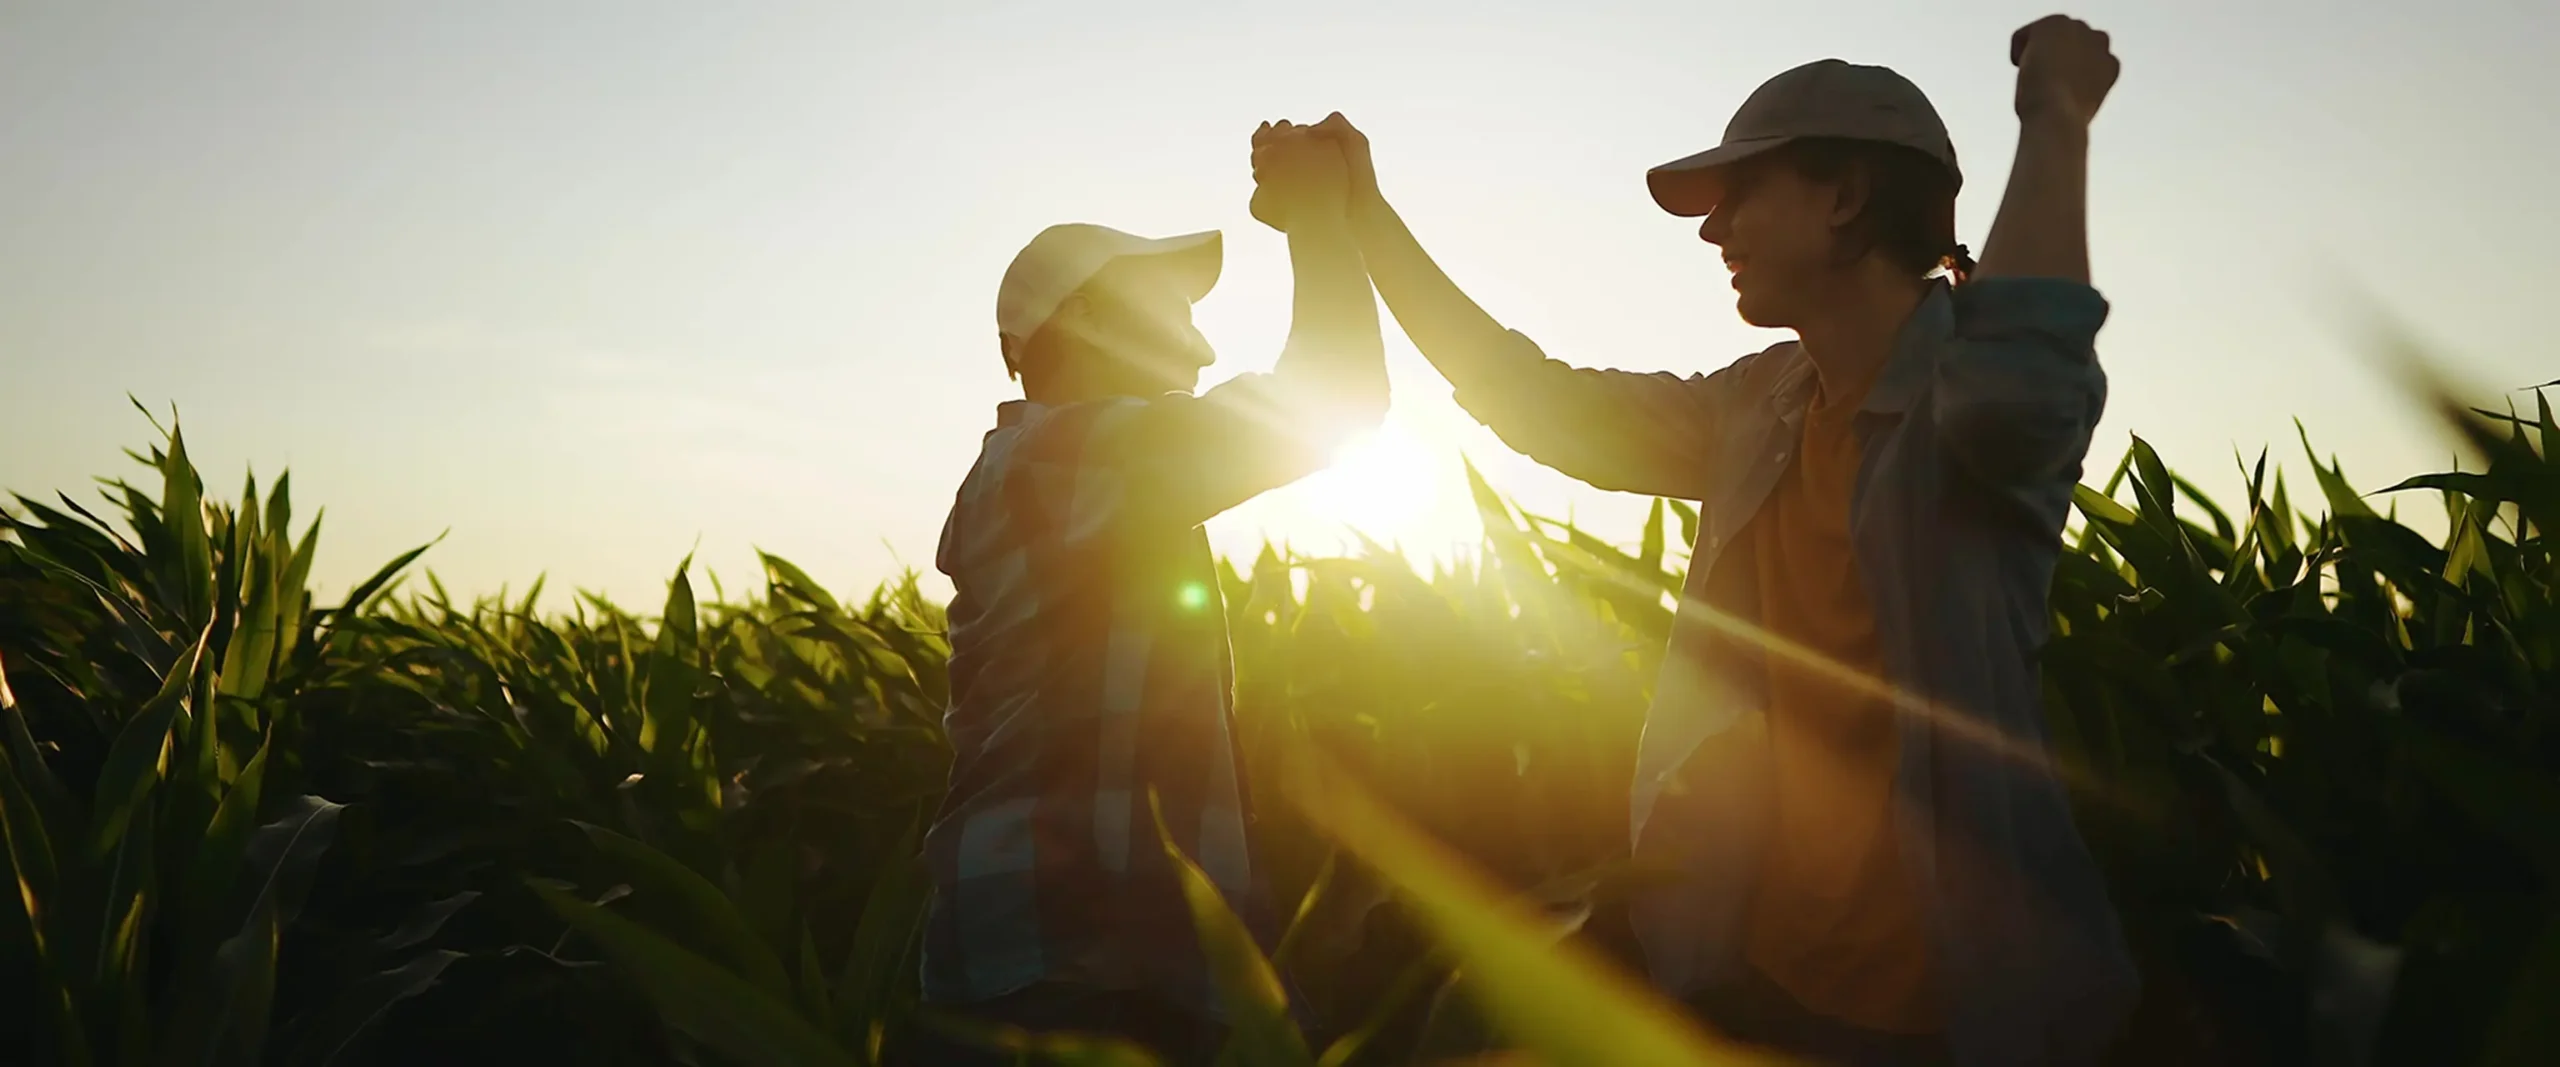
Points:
[2064,69]
[1296,173]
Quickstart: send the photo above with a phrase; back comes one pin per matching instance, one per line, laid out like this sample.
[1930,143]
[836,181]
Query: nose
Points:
[1715,228]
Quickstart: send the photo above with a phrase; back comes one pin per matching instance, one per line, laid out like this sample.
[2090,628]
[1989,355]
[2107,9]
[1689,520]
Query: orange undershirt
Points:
[1834,920]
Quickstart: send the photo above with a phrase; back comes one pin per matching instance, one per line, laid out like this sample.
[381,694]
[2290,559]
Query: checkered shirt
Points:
[1089,666]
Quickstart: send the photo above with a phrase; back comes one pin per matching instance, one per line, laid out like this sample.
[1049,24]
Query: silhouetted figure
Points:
[1089,661]
[1845,761]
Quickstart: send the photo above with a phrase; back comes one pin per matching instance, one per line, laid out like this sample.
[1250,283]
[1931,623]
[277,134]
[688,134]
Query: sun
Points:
[1400,485]
[1379,483]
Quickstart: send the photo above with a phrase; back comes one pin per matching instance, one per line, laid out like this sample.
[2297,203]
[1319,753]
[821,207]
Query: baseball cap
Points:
[1064,257]
[1824,98]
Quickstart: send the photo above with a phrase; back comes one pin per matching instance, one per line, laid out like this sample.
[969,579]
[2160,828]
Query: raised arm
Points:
[1127,466]
[1622,430]
[1334,363]
[2021,392]
[2042,231]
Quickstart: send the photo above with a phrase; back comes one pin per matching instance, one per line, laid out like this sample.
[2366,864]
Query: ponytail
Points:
[1958,265]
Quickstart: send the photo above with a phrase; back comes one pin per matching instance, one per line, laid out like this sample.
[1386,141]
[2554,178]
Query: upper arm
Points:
[2018,394]
[1629,431]
[1171,462]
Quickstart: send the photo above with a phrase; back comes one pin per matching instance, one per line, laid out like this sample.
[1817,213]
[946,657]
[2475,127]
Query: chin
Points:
[1758,313]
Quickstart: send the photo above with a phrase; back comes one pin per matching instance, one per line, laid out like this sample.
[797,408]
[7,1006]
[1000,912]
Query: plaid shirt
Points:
[1090,665]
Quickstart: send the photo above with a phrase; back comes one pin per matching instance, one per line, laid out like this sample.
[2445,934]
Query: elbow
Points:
[2008,442]
[1366,405]
[2015,413]
[1346,408]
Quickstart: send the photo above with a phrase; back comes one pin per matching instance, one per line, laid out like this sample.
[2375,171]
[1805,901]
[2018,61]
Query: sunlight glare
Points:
[1382,484]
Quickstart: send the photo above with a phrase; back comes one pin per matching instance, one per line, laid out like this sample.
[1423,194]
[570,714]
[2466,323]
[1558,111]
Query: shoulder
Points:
[1767,372]
[1072,434]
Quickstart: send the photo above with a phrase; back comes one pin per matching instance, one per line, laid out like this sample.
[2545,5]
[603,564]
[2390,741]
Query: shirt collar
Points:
[1013,412]
[1906,369]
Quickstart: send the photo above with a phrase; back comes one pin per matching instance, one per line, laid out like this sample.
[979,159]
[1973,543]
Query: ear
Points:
[1849,195]
[1074,314]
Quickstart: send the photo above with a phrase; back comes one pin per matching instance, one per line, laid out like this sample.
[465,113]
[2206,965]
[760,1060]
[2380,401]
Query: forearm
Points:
[2042,230]
[1334,345]
[1460,339]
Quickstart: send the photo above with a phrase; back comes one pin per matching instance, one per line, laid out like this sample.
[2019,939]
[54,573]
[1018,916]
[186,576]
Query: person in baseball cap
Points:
[1868,852]
[1084,302]
[1090,692]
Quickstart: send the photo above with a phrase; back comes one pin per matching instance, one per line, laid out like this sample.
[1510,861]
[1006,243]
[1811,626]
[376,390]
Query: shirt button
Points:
[1782,457]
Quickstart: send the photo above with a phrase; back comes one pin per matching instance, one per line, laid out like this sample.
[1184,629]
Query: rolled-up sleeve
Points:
[1627,431]
[1102,470]
[2019,392]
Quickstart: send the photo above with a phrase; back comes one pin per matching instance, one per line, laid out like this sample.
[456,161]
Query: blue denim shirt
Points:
[1973,436]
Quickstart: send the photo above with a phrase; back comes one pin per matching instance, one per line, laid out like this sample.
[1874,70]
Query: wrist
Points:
[2054,125]
[1368,209]
[1321,220]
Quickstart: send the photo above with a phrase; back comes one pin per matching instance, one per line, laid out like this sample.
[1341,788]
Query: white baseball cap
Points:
[1064,257]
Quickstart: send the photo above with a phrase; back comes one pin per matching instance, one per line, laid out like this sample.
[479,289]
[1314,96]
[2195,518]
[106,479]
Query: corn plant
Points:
[154,831]
[2313,749]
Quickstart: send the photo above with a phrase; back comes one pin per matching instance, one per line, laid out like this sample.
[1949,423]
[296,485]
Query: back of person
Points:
[1066,651]
[1090,680]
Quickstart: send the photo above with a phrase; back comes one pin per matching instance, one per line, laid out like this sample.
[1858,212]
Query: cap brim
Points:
[1691,185]
[1195,259]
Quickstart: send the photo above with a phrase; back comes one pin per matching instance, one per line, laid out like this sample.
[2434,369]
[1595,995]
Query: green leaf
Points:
[1650,552]
[2343,498]
[2513,801]
[214,872]
[2152,481]
[1308,903]
[251,652]
[31,859]
[884,938]
[247,963]
[1058,1048]
[1416,978]
[789,580]
[659,881]
[2101,508]
[190,573]
[426,921]
[125,911]
[1556,1000]
[1257,1004]
[701,999]
[294,595]
[1688,516]
[136,760]
[364,591]
[48,803]
[350,1013]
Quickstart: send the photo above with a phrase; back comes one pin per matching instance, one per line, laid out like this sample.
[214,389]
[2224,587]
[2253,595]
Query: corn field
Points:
[2316,751]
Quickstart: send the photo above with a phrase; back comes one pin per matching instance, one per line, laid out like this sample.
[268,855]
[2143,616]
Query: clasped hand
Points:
[1299,172]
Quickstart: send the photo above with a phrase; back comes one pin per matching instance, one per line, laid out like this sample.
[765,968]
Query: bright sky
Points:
[593,286]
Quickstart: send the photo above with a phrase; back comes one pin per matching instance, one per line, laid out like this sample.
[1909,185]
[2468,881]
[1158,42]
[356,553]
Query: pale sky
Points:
[589,285]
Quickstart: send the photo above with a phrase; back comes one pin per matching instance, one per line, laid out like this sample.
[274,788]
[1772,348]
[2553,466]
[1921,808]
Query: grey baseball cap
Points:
[1825,98]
